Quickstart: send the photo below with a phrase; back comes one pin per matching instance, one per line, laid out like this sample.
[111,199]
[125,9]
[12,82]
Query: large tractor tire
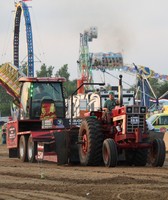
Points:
[129,156]
[73,147]
[90,142]
[31,150]
[157,153]
[23,148]
[140,158]
[62,148]
[136,157]
[110,153]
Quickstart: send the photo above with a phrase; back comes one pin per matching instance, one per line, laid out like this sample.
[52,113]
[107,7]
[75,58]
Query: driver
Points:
[108,106]
[110,103]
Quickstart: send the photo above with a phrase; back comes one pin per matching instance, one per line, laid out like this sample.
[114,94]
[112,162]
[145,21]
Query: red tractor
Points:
[125,137]
[41,130]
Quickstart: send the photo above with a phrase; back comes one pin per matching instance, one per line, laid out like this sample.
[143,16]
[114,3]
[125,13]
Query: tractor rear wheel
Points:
[157,153]
[90,142]
[110,153]
[23,148]
[31,150]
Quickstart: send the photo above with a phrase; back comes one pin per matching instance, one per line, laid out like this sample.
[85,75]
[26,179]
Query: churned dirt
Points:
[49,181]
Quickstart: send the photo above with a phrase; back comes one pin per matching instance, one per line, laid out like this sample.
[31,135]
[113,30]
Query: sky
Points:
[137,29]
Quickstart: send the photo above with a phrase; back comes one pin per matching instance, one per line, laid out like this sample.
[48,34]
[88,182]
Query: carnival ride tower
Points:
[84,63]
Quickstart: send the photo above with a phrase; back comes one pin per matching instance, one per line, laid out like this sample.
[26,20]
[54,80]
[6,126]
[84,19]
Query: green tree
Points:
[155,85]
[5,102]
[24,68]
[159,88]
[163,88]
[45,71]
[63,72]
[69,86]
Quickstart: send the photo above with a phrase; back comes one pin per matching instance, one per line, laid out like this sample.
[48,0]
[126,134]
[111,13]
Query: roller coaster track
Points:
[22,7]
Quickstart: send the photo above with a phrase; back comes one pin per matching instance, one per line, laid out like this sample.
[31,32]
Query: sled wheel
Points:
[90,142]
[23,148]
[157,153]
[31,150]
[110,154]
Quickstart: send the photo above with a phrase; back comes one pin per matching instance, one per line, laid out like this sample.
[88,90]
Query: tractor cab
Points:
[41,98]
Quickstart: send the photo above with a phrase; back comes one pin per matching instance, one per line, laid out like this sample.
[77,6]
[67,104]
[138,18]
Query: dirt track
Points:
[49,181]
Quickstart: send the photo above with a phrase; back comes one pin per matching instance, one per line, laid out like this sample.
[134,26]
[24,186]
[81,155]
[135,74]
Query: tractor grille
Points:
[135,121]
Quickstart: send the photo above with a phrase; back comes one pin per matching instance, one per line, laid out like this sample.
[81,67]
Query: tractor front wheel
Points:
[110,153]
[157,153]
